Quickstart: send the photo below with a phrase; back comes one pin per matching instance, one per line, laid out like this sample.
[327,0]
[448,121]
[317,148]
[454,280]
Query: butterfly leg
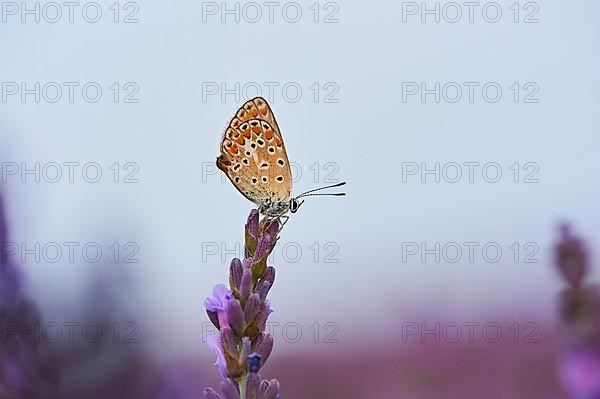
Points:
[267,220]
[285,220]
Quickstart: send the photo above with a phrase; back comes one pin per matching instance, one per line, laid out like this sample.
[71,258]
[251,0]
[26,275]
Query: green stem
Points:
[242,384]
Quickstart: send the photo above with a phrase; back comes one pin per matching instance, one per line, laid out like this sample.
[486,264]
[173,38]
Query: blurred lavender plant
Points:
[240,314]
[25,370]
[33,368]
[579,365]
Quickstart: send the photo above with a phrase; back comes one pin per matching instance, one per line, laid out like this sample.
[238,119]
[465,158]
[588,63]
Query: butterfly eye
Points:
[294,205]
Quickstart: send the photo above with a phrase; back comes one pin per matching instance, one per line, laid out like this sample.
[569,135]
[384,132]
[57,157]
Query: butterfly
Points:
[254,158]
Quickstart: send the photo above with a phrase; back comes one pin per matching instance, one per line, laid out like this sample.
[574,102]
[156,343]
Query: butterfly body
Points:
[254,158]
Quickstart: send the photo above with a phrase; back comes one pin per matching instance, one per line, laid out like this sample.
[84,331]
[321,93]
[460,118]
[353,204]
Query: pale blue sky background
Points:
[171,133]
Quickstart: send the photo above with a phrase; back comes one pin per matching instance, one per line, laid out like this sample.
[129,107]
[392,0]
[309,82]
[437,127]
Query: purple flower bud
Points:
[273,228]
[263,346]
[229,390]
[243,358]
[269,389]
[269,275]
[235,273]
[236,317]
[232,353]
[263,248]
[252,223]
[263,289]
[251,233]
[229,342]
[252,386]
[252,307]
[254,362]
[265,245]
[209,393]
[246,285]
[264,313]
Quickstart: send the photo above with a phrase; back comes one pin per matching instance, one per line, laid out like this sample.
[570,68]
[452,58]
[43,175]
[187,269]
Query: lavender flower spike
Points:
[579,364]
[240,314]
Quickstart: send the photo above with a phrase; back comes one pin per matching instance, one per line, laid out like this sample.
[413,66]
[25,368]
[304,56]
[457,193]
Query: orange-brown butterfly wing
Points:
[253,154]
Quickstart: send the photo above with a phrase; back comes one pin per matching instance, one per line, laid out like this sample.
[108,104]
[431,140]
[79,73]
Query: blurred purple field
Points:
[429,365]
[429,370]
